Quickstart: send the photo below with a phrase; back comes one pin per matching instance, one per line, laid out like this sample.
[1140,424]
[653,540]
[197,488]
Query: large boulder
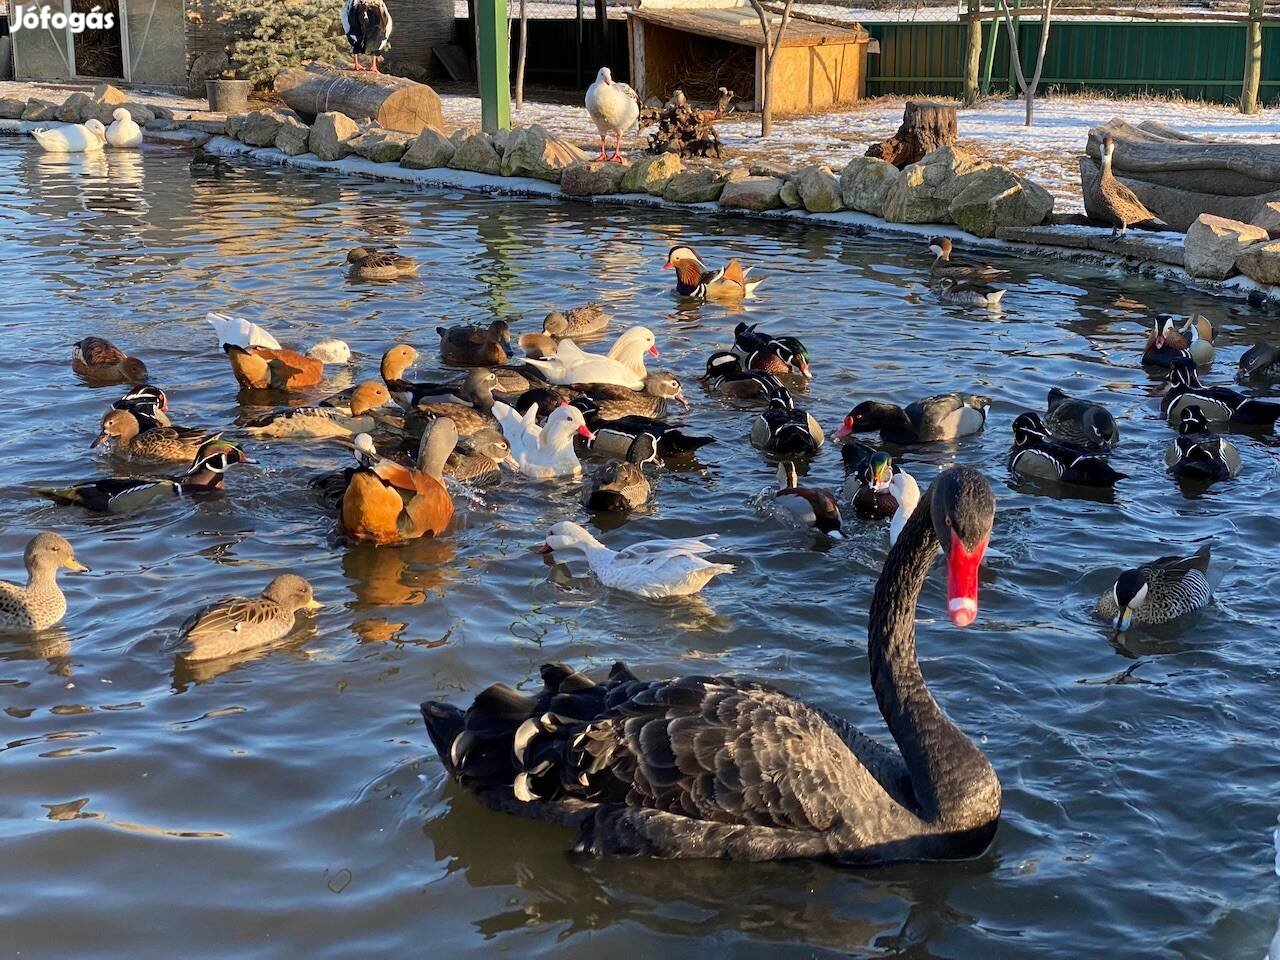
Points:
[331,135]
[476,153]
[11,108]
[1213,243]
[533,152]
[110,95]
[790,196]
[261,126]
[233,127]
[864,183]
[818,188]
[1260,262]
[651,174]
[430,150]
[292,137]
[72,109]
[924,192]
[1267,217]
[699,185]
[997,197]
[37,109]
[381,146]
[752,193]
[592,177]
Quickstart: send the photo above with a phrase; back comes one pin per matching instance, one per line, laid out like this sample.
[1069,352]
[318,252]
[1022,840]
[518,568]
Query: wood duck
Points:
[1037,455]
[783,429]
[1198,454]
[1080,422]
[613,437]
[1218,404]
[775,355]
[727,375]
[1260,362]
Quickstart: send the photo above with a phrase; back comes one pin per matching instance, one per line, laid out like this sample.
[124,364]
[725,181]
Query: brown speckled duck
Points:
[1120,205]
[101,361]
[125,437]
[479,458]
[613,401]
[576,323]
[236,624]
[369,264]
[39,603]
[475,345]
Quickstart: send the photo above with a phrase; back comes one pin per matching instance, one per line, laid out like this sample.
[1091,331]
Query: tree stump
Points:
[926,126]
[396,103]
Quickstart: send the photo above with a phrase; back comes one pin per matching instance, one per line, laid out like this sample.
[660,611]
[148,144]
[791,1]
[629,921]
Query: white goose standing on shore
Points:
[653,569]
[367,24]
[615,108]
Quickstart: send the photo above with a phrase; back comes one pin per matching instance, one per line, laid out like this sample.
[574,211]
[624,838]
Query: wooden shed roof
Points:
[741,25]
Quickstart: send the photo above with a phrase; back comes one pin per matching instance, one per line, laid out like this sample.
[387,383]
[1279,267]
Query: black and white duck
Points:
[1260,362]
[945,265]
[1218,404]
[128,494]
[1080,422]
[1197,453]
[735,769]
[779,356]
[1159,591]
[614,437]
[367,25]
[727,375]
[148,403]
[811,507]
[783,429]
[945,416]
[1037,455]
[621,486]
[972,293]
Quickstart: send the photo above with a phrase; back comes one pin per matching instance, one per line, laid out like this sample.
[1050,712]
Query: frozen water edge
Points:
[1240,287]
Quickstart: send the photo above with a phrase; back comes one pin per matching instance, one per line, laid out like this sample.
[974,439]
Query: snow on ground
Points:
[1046,152]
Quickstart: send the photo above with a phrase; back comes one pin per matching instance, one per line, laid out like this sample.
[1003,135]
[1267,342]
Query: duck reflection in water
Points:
[403,575]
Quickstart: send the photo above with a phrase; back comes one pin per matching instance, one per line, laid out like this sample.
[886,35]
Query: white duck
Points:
[624,366]
[246,334]
[547,451]
[85,137]
[615,108]
[653,569]
[906,491]
[123,132]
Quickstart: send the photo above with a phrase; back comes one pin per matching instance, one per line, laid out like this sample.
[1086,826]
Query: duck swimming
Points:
[783,429]
[87,137]
[613,401]
[124,436]
[374,510]
[727,375]
[318,422]
[101,361]
[258,362]
[547,451]
[945,266]
[1261,361]
[129,494]
[148,403]
[1198,454]
[945,416]
[624,365]
[1037,455]
[633,765]
[576,322]
[38,604]
[368,264]
[695,281]
[479,458]
[774,355]
[654,569]
[1218,404]
[806,506]
[474,345]
[1080,422]
[867,474]
[1166,341]
[970,293]
[613,437]
[621,486]
[1158,592]
[236,624]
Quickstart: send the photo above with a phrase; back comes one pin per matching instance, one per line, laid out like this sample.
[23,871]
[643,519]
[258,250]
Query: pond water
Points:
[290,805]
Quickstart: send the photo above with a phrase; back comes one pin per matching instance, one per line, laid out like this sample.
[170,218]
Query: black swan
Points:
[725,767]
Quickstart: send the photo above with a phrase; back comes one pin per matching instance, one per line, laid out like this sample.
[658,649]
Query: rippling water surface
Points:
[290,805]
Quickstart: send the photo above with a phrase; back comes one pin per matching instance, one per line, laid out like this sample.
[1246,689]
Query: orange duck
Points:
[102,361]
[260,363]
[373,507]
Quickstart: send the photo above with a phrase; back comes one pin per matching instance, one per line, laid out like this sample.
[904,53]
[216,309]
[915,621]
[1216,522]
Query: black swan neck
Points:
[954,784]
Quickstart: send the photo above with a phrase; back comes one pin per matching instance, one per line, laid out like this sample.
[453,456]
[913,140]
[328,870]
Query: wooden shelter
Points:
[700,48]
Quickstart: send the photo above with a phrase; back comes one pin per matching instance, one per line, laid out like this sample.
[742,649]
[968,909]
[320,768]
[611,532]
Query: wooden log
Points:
[1252,59]
[926,126]
[394,102]
[973,57]
[1208,166]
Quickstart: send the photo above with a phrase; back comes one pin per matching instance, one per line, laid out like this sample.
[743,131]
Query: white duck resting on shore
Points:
[614,108]
[124,133]
[547,451]
[85,137]
[653,569]
[624,366]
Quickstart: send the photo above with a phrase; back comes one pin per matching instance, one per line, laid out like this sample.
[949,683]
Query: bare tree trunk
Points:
[770,53]
[520,55]
[1029,89]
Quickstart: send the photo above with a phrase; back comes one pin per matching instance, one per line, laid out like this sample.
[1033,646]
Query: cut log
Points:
[926,126]
[1200,166]
[396,103]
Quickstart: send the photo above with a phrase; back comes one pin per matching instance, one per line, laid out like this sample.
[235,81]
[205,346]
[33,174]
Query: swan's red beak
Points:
[962,580]
[845,429]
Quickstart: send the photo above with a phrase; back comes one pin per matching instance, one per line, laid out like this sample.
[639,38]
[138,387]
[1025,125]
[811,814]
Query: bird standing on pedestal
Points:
[367,24]
[615,108]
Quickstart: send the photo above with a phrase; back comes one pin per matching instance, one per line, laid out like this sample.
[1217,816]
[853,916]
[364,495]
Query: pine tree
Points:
[269,37]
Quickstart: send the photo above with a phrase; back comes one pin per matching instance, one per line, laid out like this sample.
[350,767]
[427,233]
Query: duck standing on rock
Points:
[39,603]
[695,281]
[614,109]
[367,25]
[1159,591]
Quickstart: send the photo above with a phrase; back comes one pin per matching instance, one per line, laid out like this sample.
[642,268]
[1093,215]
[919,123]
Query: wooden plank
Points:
[1084,13]
[728,26]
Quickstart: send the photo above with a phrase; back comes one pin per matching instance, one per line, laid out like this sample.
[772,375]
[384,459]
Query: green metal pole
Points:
[493,48]
[993,36]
